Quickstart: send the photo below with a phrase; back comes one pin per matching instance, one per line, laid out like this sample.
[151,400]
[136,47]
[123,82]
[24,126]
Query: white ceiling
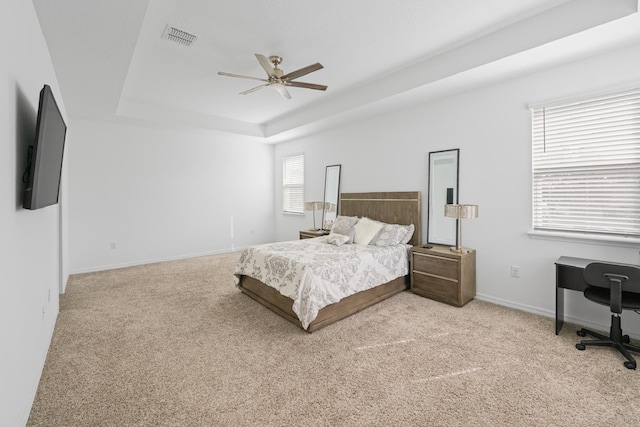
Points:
[112,63]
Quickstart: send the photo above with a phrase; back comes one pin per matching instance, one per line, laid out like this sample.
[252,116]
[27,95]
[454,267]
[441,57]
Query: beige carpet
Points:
[176,344]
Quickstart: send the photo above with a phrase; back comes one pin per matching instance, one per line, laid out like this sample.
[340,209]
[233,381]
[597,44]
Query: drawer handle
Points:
[435,256]
[436,276]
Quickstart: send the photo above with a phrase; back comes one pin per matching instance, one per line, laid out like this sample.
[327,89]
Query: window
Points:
[586,165]
[293,184]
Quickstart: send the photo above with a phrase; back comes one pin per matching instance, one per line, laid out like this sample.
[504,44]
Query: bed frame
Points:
[390,207]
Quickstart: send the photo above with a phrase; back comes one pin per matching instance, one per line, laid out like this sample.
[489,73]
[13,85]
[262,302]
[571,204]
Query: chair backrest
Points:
[602,274]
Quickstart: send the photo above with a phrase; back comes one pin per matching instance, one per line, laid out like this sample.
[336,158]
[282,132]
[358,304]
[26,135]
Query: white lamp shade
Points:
[312,206]
[461,211]
[468,211]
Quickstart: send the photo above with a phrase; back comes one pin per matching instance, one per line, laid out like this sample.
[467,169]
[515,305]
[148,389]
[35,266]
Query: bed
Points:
[389,207]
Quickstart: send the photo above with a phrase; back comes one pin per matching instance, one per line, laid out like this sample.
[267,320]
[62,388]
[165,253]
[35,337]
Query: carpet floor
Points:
[176,344]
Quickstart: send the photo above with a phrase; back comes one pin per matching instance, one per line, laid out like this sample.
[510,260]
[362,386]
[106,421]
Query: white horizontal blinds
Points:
[586,165]
[293,184]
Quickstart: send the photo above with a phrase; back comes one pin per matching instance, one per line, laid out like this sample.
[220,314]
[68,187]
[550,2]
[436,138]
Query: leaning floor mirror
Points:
[331,196]
[443,189]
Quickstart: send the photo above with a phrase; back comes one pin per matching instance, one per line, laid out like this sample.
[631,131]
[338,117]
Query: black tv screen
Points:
[45,156]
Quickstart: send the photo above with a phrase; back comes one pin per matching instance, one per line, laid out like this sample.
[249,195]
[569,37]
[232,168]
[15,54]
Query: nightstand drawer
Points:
[436,265]
[435,286]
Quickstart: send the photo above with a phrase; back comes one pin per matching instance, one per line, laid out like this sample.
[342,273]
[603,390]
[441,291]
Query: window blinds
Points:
[586,165]
[293,184]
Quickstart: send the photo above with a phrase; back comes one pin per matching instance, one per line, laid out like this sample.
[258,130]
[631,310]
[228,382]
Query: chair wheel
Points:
[629,365]
[581,333]
[626,339]
[581,347]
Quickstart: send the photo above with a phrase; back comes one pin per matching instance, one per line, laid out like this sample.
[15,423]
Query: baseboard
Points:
[589,324]
[153,261]
[517,306]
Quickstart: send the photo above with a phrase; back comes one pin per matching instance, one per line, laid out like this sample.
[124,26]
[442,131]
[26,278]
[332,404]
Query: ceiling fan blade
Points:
[254,89]
[283,91]
[266,65]
[307,85]
[222,73]
[302,71]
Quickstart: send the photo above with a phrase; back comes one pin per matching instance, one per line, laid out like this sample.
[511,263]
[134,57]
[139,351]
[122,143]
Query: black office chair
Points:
[617,286]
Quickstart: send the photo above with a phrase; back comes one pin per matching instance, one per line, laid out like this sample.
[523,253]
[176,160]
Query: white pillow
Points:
[366,229]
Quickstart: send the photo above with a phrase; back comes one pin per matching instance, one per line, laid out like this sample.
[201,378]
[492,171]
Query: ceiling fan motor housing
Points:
[275,60]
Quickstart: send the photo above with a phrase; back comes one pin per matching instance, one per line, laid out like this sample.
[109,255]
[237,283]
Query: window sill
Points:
[592,239]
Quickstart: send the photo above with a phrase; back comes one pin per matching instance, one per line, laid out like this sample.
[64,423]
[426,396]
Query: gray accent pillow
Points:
[345,222]
[410,229]
[337,239]
[393,234]
[344,231]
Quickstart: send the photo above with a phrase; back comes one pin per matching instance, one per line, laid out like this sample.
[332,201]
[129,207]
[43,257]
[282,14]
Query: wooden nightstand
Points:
[308,234]
[443,275]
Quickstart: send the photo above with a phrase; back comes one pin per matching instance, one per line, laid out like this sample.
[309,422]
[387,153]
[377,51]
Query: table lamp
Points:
[460,212]
[313,206]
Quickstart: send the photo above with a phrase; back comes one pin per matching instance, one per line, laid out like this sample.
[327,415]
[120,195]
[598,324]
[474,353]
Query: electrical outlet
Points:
[515,271]
[112,245]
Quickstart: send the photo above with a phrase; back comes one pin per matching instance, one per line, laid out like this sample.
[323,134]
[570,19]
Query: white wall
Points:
[31,268]
[161,194]
[491,126]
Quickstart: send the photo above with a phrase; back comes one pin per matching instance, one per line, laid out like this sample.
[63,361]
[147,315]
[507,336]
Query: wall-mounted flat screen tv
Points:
[45,156]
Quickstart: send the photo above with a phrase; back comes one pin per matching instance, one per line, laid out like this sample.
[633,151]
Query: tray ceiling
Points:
[113,62]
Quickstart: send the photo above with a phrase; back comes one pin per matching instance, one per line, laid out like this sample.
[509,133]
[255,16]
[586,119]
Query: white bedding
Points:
[315,274]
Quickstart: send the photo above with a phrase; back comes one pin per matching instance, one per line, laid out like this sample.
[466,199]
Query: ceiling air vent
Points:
[179,36]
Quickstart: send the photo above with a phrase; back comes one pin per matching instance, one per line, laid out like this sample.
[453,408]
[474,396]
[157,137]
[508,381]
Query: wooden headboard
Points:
[401,207]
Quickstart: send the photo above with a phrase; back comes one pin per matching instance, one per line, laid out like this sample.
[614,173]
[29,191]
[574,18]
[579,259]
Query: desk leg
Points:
[559,308]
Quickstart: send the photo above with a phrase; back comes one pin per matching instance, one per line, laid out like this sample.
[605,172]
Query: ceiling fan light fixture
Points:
[276,77]
[179,36]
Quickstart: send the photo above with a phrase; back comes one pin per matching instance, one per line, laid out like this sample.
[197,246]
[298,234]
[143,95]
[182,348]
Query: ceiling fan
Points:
[276,77]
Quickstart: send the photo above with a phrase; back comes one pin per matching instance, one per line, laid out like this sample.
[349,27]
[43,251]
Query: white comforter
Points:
[315,274]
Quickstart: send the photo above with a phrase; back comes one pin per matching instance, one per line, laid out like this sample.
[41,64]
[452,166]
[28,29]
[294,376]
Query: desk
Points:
[569,275]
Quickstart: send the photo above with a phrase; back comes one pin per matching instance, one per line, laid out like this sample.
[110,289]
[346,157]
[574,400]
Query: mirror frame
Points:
[331,193]
[444,176]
